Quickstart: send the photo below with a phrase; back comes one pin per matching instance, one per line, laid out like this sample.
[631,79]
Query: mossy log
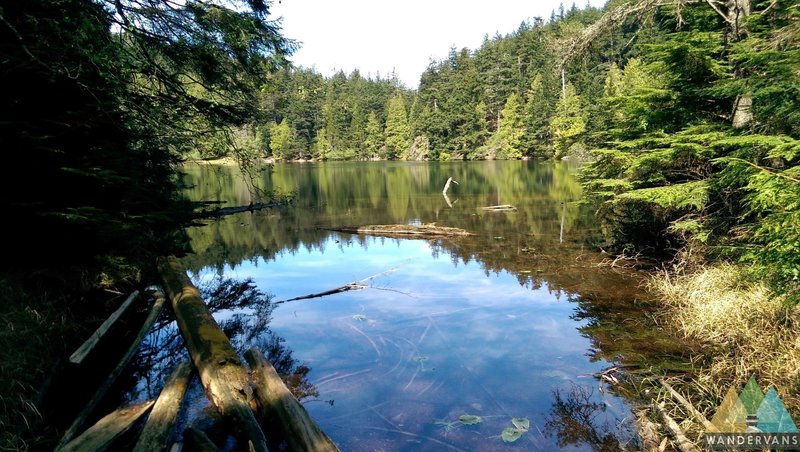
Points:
[225,380]
[278,407]
[102,435]
[158,428]
[430,230]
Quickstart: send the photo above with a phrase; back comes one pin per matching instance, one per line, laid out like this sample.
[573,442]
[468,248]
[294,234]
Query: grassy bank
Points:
[44,318]
[743,329]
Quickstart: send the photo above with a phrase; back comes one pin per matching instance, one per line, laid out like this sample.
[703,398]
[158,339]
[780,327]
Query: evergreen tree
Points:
[281,138]
[398,132]
[511,129]
[373,143]
[567,124]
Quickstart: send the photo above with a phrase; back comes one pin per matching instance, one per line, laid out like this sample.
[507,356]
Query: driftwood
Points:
[340,289]
[102,434]
[80,354]
[684,444]
[500,208]
[225,380]
[223,211]
[158,428]
[429,230]
[112,377]
[197,441]
[689,407]
[355,285]
[277,406]
[447,185]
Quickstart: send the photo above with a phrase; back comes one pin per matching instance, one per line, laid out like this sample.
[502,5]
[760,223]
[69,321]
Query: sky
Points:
[378,36]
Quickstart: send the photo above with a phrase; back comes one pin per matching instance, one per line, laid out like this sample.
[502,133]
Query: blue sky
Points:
[377,36]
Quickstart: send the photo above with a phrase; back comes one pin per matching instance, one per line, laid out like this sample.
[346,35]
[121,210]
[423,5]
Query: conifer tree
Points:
[398,132]
[280,140]
[373,143]
[511,129]
[568,124]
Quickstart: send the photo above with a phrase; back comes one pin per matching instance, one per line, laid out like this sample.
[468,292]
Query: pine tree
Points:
[373,143]
[568,124]
[398,132]
[511,129]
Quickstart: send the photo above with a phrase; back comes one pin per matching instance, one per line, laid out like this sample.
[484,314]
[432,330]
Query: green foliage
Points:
[281,137]
[568,123]
[398,132]
[103,99]
[510,129]
[373,143]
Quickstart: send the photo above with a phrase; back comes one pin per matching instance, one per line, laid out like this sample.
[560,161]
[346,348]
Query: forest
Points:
[686,114]
[688,111]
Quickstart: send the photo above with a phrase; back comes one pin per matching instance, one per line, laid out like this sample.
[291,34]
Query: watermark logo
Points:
[752,420]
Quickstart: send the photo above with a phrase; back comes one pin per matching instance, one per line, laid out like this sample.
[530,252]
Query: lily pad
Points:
[521,423]
[360,317]
[470,419]
[510,435]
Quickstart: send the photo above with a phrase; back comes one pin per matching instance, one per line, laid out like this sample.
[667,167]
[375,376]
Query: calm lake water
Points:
[511,322]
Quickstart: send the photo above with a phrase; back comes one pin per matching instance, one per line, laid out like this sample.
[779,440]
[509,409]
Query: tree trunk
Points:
[278,407]
[224,378]
[738,11]
[158,429]
[101,435]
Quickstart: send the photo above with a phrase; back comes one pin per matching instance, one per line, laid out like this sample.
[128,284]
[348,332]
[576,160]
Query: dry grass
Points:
[746,331]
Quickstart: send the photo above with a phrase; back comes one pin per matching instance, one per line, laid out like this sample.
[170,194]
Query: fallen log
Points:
[224,211]
[158,428]
[278,407]
[197,441]
[689,407]
[500,208]
[225,380]
[112,377]
[429,230]
[355,285]
[340,289]
[684,444]
[83,351]
[101,435]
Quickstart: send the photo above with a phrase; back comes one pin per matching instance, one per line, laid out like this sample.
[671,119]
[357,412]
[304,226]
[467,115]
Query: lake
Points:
[448,340]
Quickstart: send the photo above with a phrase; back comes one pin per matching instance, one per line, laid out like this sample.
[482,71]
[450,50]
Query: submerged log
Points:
[102,434]
[500,208]
[278,407]
[158,429]
[225,380]
[429,230]
[197,441]
[224,211]
[112,377]
[83,351]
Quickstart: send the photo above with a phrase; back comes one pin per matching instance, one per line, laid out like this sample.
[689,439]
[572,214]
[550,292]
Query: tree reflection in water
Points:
[575,419]
[244,313]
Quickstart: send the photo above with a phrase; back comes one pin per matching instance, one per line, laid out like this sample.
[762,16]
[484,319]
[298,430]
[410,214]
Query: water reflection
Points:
[576,419]
[497,325]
